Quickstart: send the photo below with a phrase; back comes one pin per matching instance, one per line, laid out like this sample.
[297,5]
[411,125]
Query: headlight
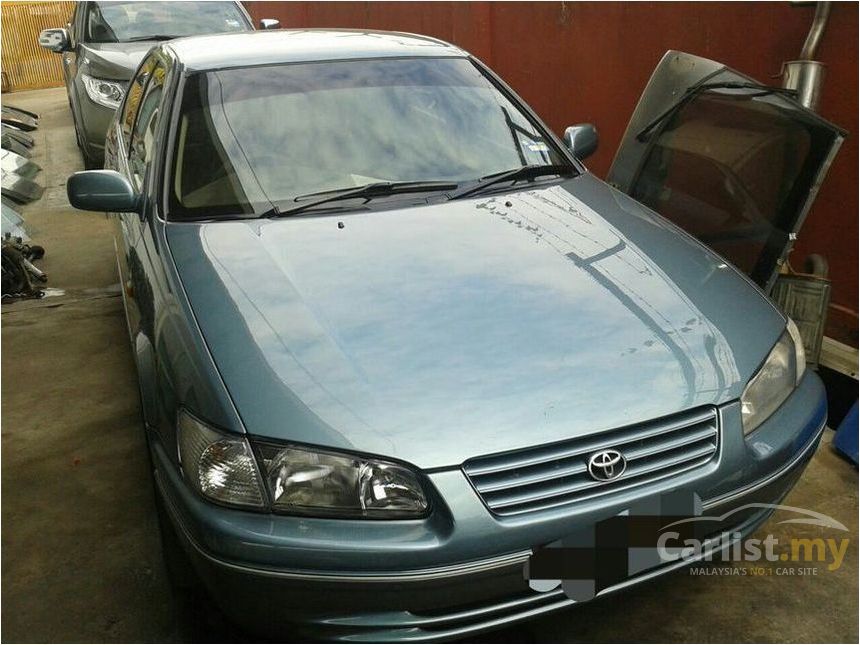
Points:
[777,378]
[300,481]
[219,466]
[312,482]
[103,92]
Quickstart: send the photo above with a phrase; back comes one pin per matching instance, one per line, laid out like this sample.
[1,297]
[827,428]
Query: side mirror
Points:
[581,140]
[56,40]
[102,191]
[270,23]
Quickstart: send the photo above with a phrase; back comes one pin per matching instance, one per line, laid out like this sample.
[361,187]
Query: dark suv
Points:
[104,42]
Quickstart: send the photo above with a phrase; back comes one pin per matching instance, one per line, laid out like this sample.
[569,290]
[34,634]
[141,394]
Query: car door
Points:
[734,163]
[126,151]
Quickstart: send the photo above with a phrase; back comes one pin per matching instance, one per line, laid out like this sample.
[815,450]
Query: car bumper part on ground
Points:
[434,579]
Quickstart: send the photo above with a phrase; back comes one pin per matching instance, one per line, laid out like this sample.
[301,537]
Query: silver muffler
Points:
[805,75]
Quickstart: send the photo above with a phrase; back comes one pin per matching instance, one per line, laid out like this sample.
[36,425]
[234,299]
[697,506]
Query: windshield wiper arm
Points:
[369,191]
[514,174]
[694,90]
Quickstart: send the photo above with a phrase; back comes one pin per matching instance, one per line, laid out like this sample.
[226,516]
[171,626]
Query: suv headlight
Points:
[103,92]
[299,480]
[775,380]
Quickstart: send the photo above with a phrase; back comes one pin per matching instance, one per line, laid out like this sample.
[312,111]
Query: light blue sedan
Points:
[392,335]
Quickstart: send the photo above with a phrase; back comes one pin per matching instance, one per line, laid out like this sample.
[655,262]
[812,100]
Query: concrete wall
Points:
[588,61]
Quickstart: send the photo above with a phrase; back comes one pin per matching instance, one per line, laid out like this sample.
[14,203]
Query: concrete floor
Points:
[80,548]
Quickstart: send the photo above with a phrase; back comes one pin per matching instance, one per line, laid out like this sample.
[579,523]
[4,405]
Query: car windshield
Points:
[112,22]
[252,137]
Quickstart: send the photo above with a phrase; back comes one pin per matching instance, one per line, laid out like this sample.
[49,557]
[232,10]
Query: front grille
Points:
[557,474]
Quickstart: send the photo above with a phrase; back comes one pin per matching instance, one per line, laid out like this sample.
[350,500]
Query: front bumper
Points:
[93,121]
[459,571]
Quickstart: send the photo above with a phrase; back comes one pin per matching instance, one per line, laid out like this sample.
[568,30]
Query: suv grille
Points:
[557,474]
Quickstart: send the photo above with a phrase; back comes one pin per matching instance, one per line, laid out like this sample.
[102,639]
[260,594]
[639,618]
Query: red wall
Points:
[588,61]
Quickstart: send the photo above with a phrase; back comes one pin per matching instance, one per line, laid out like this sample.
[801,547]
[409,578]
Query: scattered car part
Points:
[18,164]
[14,146]
[845,439]
[806,76]
[734,163]
[11,132]
[805,299]
[22,112]
[13,223]
[19,189]
[22,120]
[816,264]
[18,272]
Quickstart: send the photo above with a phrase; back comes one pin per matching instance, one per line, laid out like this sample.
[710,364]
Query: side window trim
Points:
[154,83]
[125,137]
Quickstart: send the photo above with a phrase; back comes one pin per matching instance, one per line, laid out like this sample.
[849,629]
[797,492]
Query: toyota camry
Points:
[393,337]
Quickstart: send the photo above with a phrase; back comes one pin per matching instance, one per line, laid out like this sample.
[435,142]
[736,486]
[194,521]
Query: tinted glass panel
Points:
[132,100]
[110,22]
[143,136]
[251,137]
[732,169]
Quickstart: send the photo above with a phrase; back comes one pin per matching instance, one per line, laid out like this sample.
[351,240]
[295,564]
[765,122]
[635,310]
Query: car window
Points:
[145,126]
[248,138]
[111,22]
[132,100]
[726,168]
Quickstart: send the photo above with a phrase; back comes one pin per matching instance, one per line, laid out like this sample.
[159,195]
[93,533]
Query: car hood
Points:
[115,60]
[439,333]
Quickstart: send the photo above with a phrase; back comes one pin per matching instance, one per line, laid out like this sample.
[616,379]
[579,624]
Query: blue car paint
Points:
[431,335]
[441,333]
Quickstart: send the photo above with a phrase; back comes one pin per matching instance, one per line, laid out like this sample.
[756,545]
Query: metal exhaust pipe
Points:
[816,31]
[806,76]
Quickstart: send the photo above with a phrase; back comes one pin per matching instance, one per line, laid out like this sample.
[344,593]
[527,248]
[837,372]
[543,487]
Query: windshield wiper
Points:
[693,90]
[151,37]
[368,191]
[514,174]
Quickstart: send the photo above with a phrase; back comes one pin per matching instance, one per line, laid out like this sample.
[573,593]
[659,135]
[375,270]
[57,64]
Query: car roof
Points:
[246,49]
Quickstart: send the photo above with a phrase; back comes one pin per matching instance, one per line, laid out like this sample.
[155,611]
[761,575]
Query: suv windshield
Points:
[248,138]
[112,22]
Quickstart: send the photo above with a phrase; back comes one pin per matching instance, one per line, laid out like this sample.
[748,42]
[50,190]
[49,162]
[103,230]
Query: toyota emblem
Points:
[606,465]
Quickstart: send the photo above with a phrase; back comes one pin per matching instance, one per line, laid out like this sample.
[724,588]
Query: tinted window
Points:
[132,100]
[730,169]
[251,137]
[143,135]
[110,22]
